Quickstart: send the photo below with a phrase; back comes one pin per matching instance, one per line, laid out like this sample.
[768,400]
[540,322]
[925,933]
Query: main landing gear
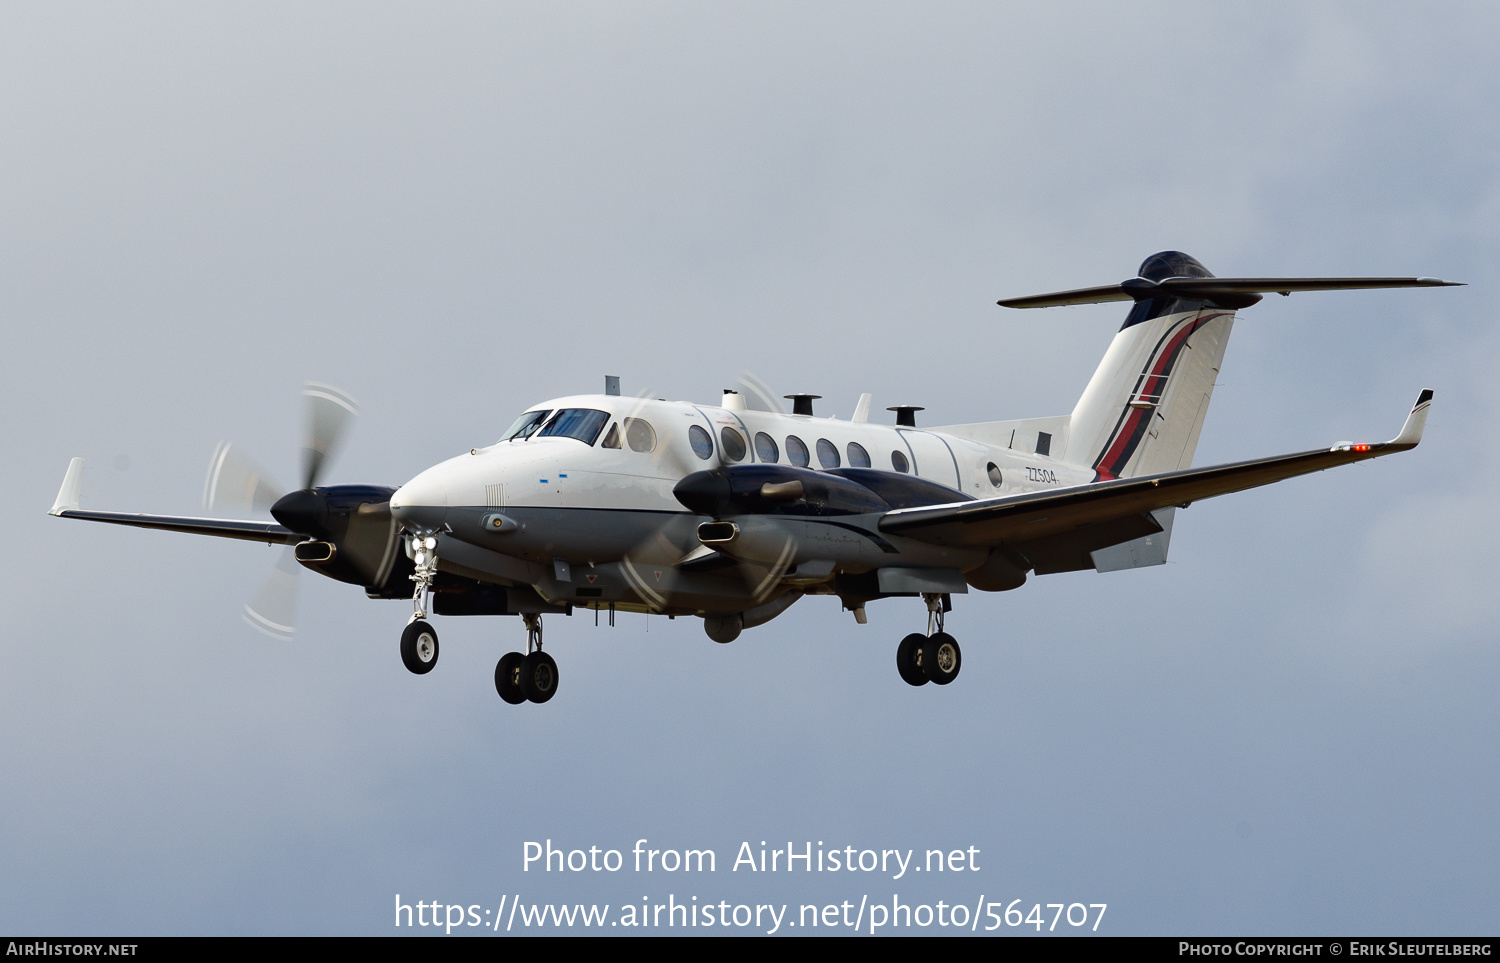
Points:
[531,677]
[934,657]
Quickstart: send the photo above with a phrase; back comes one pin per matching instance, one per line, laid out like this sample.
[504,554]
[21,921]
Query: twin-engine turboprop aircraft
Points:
[732,513]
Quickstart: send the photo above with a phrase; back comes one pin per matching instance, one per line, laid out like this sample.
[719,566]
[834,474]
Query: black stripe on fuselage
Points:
[881,543]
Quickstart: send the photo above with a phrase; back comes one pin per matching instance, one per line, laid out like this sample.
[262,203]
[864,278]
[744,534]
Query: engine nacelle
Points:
[354,538]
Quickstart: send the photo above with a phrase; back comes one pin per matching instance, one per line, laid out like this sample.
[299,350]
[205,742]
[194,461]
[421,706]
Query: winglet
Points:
[67,496]
[1411,432]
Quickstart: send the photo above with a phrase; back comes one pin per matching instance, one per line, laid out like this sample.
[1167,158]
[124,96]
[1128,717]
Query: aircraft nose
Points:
[423,501]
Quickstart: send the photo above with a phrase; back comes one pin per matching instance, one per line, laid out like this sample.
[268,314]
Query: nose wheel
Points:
[419,647]
[934,657]
[531,677]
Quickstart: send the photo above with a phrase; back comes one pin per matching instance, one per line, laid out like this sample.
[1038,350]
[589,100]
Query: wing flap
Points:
[1073,551]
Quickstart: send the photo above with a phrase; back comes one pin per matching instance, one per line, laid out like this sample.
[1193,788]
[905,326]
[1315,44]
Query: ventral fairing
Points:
[734,511]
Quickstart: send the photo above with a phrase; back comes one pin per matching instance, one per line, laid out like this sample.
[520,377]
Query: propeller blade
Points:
[235,482]
[758,394]
[671,455]
[273,611]
[329,413]
[656,570]
[761,580]
[646,581]
[652,567]
[372,541]
[651,570]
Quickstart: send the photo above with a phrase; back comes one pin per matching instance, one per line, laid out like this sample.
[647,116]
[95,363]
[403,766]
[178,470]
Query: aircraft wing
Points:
[1085,518]
[66,506]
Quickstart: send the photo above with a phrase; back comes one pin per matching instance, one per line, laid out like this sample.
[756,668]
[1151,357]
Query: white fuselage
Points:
[591,519]
[565,472]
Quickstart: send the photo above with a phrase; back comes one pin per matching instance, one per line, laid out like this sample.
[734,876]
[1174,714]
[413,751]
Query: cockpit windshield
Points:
[581,423]
[525,426]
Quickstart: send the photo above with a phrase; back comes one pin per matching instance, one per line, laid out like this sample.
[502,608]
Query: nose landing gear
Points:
[934,657]
[419,642]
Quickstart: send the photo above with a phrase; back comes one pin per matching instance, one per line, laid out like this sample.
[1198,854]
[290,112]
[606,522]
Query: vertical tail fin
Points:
[1144,407]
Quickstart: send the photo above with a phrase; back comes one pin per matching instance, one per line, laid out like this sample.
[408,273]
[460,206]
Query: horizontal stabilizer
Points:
[1226,292]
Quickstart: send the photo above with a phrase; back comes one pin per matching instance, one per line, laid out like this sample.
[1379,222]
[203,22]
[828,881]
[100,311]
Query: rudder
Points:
[1142,411]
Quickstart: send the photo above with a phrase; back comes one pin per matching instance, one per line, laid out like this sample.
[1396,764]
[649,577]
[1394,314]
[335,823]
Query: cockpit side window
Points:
[612,439]
[583,424]
[525,425]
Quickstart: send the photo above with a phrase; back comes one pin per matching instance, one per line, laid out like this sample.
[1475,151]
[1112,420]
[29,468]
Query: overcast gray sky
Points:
[453,213]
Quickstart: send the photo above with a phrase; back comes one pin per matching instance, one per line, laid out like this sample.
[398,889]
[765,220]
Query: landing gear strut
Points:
[934,657]
[419,642]
[531,677]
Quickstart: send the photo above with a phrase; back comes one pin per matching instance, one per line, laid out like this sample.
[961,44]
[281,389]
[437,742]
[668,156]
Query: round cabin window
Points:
[733,444]
[702,442]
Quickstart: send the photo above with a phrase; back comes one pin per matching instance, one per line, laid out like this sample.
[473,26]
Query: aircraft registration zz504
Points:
[629,504]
